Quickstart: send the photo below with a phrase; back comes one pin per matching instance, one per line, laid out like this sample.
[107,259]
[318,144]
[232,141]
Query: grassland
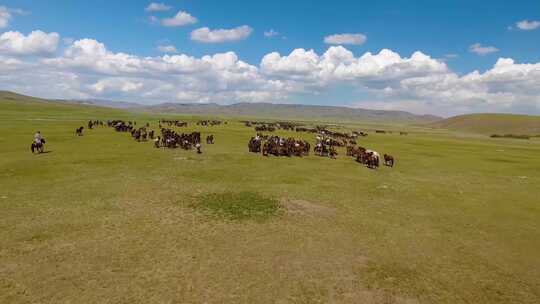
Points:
[492,124]
[104,219]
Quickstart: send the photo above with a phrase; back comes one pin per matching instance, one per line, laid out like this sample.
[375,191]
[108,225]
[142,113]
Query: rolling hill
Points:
[251,110]
[492,124]
[295,111]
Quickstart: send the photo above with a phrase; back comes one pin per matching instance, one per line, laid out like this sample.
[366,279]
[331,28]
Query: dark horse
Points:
[35,147]
[388,160]
[79,131]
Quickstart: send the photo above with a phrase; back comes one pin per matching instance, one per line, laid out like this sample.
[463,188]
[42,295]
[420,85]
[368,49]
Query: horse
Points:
[388,160]
[37,146]
[79,131]
[210,139]
[372,159]
[254,145]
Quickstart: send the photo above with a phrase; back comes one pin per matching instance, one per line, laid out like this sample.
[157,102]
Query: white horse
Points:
[374,153]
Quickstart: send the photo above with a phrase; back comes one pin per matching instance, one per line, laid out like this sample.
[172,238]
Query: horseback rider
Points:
[38,138]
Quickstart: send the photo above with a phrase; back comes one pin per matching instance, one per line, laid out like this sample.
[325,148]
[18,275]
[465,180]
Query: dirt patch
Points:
[306,208]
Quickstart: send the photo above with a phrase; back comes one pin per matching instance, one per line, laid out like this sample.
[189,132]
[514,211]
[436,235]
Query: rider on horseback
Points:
[38,143]
[37,138]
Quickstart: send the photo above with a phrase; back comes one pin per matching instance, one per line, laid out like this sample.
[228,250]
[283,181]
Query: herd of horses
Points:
[261,126]
[327,141]
[326,145]
[172,139]
[278,146]
[168,138]
[210,123]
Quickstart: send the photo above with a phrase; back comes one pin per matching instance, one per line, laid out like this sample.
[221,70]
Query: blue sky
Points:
[445,31]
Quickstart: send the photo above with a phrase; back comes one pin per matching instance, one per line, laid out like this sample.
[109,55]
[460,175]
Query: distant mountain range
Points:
[105,103]
[253,110]
[270,110]
[471,123]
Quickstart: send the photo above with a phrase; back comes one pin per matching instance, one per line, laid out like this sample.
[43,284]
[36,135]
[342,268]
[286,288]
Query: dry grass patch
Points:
[306,208]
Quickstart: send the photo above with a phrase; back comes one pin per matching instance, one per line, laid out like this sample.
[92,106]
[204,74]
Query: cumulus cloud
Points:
[418,83]
[271,33]
[384,80]
[221,77]
[167,49]
[180,19]
[338,64]
[527,25]
[206,35]
[507,87]
[116,84]
[353,39]
[157,7]
[37,42]
[481,50]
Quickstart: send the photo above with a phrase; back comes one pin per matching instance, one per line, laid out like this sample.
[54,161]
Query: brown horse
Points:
[388,160]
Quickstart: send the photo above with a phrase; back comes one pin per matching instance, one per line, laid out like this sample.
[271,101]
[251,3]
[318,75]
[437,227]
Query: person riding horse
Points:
[38,138]
[38,143]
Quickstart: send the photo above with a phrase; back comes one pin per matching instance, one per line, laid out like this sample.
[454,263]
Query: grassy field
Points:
[104,219]
[492,124]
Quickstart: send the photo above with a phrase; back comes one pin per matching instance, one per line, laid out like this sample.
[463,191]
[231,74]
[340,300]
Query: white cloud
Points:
[507,87]
[271,33]
[206,35]
[116,84]
[221,77]
[354,39]
[180,19]
[37,42]
[157,7]
[6,15]
[527,25]
[384,80]
[338,64]
[481,50]
[167,49]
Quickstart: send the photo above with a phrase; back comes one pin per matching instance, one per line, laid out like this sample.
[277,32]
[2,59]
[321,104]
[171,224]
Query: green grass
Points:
[492,124]
[102,218]
[238,206]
